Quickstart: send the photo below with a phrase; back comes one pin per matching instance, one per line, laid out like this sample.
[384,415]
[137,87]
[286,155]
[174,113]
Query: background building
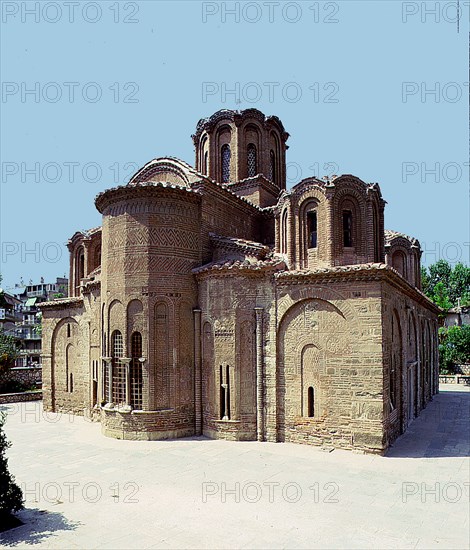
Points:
[29,318]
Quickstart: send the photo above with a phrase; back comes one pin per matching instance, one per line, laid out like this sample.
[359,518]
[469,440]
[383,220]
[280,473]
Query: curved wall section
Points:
[151,242]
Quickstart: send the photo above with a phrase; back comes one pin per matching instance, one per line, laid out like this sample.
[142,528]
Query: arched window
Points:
[312,229]
[224,392]
[81,264]
[202,154]
[347,228]
[97,256]
[311,402]
[272,166]
[252,168]
[225,163]
[136,371]
[284,232]
[67,367]
[377,238]
[79,268]
[399,262]
[206,163]
[119,374]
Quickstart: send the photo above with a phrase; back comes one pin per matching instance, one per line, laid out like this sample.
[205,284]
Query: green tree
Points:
[454,347]
[444,285]
[440,296]
[459,284]
[425,280]
[9,351]
[11,497]
[439,273]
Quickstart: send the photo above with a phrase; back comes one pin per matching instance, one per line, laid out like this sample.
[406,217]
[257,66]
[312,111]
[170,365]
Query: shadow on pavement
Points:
[38,526]
[441,430]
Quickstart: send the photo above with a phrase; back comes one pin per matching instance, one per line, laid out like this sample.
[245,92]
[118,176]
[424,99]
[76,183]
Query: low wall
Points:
[35,395]
[454,379]
[28,376]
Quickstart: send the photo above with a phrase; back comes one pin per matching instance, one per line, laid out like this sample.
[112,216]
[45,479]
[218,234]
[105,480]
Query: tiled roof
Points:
[336,269]
[60,304]
[242,265]
[390,235]
[243,244]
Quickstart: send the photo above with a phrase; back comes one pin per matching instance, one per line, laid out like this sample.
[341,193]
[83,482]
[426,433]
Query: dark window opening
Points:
[206,155]
[347,228]
[119,376]
[136,371]
[311,403]
[68,330]
[312,229]
[224,392]
[71,383]
[252,167]
[226,163]
[272,167]
[81,271]
[392,385]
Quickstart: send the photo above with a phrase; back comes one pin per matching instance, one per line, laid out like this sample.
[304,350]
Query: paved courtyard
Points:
[87,491]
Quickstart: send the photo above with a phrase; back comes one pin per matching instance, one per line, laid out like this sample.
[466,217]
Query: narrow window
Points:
[71,383]
[272,166]
[224,393]
[312,229]
[136,371]
[252,168]
[347,228]
[392,385]
[68,330]
[206,164]
[226,163]
[376,237]
[227,379]
[284,232]
[311,403]
[68,367]
[81,264]
[119,376]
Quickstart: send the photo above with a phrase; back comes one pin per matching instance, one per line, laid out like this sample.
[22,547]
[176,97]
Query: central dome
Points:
[234,145]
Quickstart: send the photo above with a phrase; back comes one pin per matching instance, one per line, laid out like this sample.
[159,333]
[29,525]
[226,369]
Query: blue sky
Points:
[376,89]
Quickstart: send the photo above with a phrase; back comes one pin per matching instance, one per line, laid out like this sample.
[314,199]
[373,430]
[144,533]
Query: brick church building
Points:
[214,301]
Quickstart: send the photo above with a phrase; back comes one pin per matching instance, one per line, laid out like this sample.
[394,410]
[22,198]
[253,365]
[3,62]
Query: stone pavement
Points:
[87,491]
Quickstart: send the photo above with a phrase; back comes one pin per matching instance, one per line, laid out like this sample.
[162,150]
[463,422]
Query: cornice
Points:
[66,303]
[145,189]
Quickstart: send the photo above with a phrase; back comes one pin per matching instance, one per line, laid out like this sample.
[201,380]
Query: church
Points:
[214,301]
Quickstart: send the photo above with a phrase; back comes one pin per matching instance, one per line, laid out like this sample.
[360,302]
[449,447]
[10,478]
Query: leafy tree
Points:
[454,347]
[444,285]
[459,284]
[440,272]
[440,296]
[11,497]
[425,280]
[8,351]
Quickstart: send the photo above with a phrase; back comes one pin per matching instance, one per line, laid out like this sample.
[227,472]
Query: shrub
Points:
[11,497]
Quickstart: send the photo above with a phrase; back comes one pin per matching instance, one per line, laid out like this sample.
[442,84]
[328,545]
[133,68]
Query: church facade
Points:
[214,301]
